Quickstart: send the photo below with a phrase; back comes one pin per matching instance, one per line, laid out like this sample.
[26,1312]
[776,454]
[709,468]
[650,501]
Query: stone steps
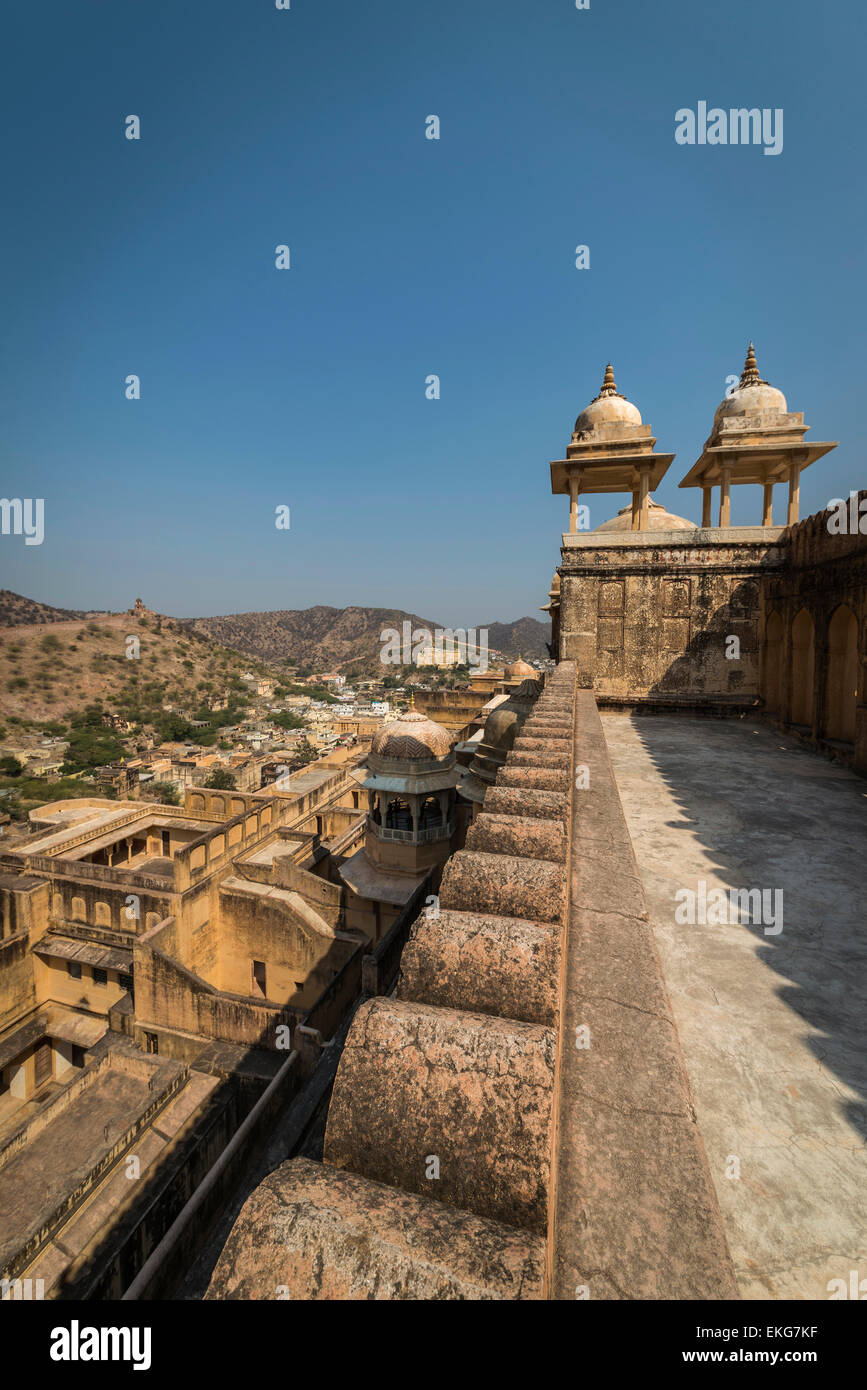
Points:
[483,964]
[536,778]
[418,1083]
[333,1236]
[525,801]
[504,885]
[548,757]
[527,836]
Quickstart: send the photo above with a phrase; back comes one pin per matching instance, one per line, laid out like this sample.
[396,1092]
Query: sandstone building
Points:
[156,964]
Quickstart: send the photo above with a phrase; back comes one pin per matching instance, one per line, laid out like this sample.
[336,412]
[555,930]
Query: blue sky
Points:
[409,257]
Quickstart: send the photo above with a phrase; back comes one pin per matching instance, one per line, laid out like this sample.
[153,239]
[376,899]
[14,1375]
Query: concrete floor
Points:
[36,1178]
[773,1027]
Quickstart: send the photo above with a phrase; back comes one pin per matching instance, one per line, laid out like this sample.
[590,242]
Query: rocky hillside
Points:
[15,609]
[55,661]
[525,637]
[50,668]
[321,638]
[325,638]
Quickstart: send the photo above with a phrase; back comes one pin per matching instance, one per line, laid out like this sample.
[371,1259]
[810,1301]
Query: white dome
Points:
[752,395]
[658,519]
[609,407]
[752,400]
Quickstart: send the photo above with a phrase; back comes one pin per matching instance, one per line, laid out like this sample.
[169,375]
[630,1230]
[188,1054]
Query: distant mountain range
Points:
[319,637]
[323,637]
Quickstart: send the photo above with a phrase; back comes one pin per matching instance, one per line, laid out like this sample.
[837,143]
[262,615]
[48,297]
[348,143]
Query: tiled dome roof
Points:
[411,735]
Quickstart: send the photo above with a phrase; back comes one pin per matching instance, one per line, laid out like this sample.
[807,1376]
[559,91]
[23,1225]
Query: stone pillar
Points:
[725,511]
[573,504]
[794,493]
[706,499]
[636,513]
[643,491]
[767,516]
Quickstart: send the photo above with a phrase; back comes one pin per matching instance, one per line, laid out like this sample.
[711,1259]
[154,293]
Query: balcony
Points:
[422,837]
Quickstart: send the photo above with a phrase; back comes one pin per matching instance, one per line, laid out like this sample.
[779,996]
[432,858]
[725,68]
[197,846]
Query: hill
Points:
[525,637]
[15,610]
[53,667]
[325,638]
[55,661]
[319,637]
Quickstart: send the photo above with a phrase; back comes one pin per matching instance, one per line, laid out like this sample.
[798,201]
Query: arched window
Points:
[803,665]
[398,815]
[841,689]
[431,813]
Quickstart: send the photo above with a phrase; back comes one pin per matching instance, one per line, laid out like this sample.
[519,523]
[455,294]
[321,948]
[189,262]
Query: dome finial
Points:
[750,375]
[609,385]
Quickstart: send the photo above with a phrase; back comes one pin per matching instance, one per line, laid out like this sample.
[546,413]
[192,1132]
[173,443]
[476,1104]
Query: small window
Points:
[74,969]
[260,978]
[100,977]
[43,1063]
[152,1043]
[125,982]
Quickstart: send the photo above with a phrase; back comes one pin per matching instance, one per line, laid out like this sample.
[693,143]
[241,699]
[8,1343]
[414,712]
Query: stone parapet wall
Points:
[635,1213]
[440,1116]
[472,1151]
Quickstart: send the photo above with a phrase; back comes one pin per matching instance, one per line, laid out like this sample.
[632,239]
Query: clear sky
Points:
[409,257]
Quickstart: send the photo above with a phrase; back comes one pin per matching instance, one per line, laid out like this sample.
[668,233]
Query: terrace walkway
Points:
[773,1026]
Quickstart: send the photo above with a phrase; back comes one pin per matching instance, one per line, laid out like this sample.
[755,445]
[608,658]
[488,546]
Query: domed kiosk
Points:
[611,451]
[410,781]
[755,439]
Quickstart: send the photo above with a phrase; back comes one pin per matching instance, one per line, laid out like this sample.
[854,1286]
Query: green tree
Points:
[287,719]
[10,767]
[166,793]
[91,746]
[221,779]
